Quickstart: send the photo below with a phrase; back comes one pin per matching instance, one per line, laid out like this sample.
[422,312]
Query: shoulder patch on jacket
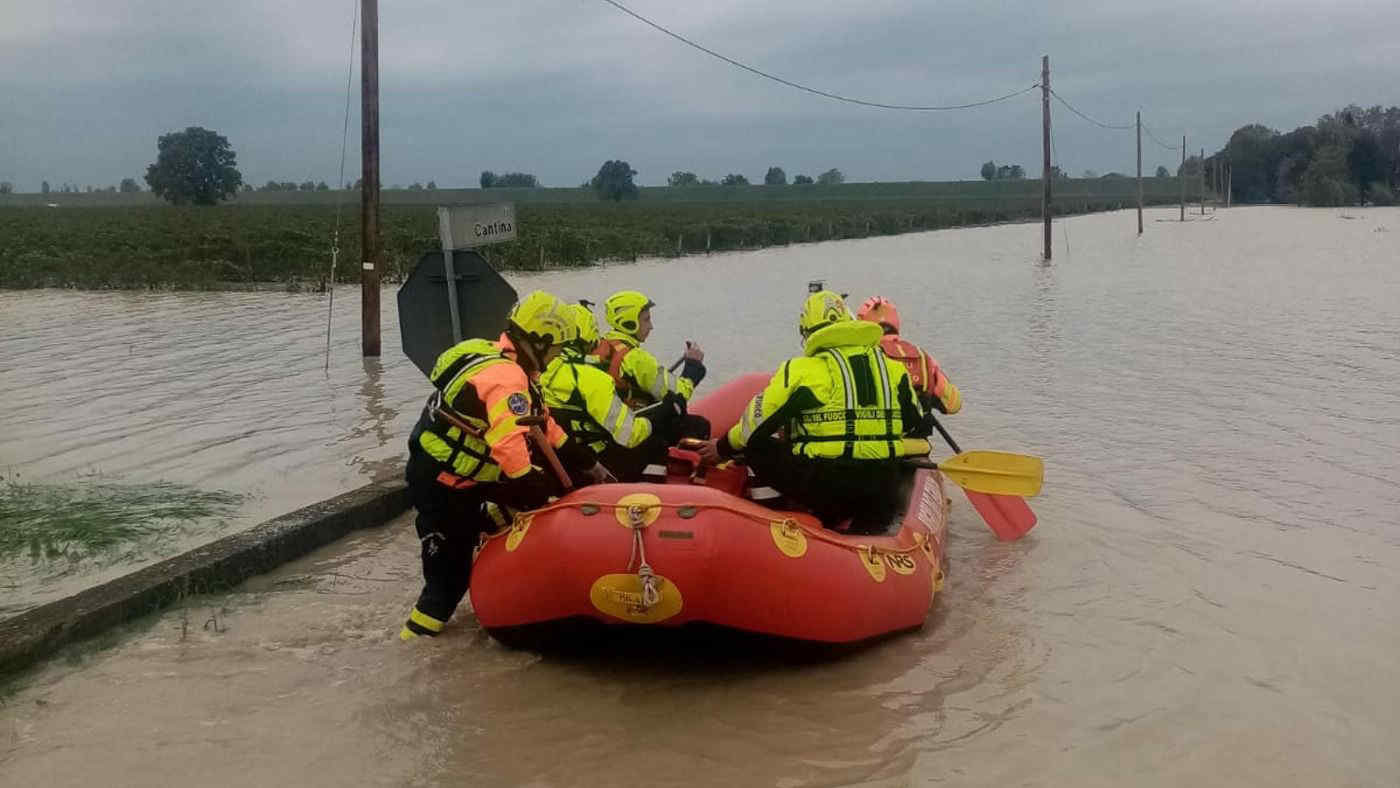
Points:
[519,404]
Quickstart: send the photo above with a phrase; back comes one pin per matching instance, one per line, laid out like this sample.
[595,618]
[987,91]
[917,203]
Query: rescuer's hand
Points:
[693,351]
[599,474]
[708,451]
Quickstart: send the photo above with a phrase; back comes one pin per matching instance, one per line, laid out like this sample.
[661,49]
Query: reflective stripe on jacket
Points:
[843,399]
[640,378]
[585,401]
[924,373]
[482,385]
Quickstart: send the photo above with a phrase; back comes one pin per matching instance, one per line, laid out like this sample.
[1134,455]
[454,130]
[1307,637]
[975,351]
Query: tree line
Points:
[1348,157]
[199,166]
[775,176]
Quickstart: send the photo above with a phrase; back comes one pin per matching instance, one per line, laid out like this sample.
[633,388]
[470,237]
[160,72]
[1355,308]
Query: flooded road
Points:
[1209,597]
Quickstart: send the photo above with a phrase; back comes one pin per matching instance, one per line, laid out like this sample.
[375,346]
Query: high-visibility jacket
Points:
[842,399]
[480,383]
[585,402]
[925,375]
[639,377]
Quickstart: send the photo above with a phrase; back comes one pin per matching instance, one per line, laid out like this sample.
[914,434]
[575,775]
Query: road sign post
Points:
[469,227]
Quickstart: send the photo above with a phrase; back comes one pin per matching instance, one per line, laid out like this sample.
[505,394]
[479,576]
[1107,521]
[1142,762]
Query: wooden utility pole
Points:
[1229,186]
[1181,176]
[1045,147]
[1139,159]
[371,254]
[1203,181]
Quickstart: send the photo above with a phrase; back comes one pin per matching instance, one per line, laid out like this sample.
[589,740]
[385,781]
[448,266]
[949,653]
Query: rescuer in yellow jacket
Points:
[585,402]
[640,378]
[846,410]
[468,449]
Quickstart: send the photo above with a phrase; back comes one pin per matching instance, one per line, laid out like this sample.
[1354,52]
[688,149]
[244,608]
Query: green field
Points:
[109,240]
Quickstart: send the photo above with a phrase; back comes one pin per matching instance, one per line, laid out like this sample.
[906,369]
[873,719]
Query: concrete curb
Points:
[31,636]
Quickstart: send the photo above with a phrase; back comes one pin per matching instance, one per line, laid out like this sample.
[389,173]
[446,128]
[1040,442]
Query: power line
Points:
[1114,127]
[1159,142]
[825,94]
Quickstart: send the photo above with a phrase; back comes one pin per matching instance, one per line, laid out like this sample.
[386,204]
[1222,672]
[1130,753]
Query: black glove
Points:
[694,370]
[530,491]
[666,417]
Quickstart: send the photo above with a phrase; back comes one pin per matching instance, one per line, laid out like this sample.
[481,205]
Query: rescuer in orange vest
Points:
[469,455]
[935,390]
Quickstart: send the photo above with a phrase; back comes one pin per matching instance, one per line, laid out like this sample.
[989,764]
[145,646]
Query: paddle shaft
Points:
[542,442]
[936,425]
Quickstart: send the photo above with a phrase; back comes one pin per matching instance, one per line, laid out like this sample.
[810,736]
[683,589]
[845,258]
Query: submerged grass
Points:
[60,526]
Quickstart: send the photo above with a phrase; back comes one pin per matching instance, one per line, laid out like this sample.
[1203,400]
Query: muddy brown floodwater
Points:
[1209,598]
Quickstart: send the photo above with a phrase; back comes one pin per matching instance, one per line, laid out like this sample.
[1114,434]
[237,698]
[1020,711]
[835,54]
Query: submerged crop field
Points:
[133,241]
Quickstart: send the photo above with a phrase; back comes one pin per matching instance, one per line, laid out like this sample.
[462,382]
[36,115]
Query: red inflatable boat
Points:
[702,548]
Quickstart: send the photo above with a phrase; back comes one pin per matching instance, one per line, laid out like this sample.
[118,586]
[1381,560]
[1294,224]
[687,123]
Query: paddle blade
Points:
[1009,517]
[995,472]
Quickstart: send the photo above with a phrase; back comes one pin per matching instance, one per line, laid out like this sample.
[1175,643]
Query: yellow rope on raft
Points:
[820,534]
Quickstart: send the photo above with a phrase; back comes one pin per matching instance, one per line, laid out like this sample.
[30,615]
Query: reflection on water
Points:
[1206,600]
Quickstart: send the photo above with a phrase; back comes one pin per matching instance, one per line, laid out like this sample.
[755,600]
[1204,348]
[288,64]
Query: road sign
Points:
[474,226]
[483,301]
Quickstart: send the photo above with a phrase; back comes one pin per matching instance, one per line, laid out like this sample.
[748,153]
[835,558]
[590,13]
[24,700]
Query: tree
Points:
[1163,172]
[515,180]
[614,181]
[1056,173]
[1090,174]
[271,186]
[129,186]
[307,186]
[1325,182]
[775,177]
[322,186]
[989,170]
[44,188]
[802,180]
[6,187]
[831,177]
[734,179]
[196,166]
[680,178]
[247,187]
[432,186]
[488,179]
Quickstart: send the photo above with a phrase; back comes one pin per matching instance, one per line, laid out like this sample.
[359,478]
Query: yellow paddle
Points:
[992,472]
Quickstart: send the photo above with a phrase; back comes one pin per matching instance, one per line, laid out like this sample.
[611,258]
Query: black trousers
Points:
[864,491]
[628,464]
[449,524]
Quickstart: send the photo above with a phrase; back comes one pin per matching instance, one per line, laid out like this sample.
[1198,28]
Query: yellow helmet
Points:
[820,310]
[623,310]
[542,319]
[585,323]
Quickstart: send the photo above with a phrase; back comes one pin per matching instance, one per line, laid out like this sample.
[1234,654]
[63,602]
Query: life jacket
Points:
[465,454]
[569,404]
[609,356]
[860,417]
[924,374]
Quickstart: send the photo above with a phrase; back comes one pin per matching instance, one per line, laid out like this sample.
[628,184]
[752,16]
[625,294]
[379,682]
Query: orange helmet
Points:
[878,310]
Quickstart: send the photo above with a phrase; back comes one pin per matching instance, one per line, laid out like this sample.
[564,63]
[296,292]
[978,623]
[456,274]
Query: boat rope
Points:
[634,514]
[636,519]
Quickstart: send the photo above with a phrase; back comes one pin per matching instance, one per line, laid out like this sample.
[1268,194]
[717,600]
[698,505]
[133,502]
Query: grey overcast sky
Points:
[555,87]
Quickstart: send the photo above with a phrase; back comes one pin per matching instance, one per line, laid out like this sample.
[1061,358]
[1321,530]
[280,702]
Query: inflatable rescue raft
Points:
[700,547]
